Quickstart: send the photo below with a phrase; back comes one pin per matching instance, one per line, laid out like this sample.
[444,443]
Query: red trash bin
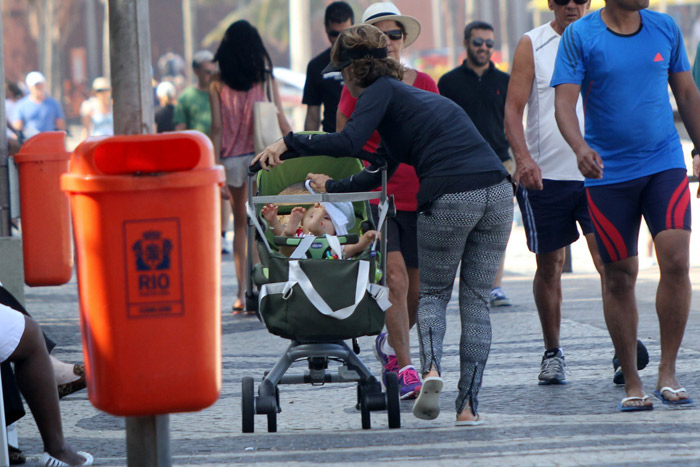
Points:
[45,210]
[147,231]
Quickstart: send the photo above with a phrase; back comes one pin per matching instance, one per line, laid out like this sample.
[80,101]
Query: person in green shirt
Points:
[193,111]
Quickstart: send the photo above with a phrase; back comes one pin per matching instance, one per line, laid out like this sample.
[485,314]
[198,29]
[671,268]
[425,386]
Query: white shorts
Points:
[237,169]
[12,326]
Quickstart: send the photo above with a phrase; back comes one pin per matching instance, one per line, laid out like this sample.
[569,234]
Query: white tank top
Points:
[547,146]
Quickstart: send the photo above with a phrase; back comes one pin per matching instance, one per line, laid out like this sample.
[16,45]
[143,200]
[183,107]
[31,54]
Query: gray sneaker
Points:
[498,297]
[553,368]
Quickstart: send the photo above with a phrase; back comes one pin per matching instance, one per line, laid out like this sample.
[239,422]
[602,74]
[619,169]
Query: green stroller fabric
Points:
[318,300]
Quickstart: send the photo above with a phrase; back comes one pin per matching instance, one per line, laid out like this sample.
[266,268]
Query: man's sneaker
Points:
[498,298]
[642,362]
[409,383]
[553,368]
[389,362]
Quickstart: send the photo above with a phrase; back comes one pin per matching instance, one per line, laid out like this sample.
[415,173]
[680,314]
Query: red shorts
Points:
[617,209]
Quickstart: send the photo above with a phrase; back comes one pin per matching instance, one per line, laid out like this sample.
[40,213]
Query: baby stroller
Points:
[298,298]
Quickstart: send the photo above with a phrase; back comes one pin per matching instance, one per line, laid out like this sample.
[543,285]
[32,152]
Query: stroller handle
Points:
[377,163]
[255,168]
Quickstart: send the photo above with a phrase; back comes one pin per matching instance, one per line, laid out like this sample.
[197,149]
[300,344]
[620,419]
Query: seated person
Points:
[320,219]
[22,343]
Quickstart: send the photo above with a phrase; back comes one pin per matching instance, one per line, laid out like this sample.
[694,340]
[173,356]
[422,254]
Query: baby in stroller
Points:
[324,218]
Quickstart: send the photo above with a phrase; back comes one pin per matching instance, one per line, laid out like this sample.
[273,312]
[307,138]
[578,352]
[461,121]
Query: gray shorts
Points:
[237,169]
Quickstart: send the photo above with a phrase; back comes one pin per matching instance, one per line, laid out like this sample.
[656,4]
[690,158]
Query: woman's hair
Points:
[367,69]
[243,60]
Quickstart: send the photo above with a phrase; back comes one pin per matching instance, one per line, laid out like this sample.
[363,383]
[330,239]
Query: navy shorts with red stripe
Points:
[663,199]
[550,215]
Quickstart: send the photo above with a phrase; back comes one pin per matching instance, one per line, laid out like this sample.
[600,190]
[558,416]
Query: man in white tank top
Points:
[550,193]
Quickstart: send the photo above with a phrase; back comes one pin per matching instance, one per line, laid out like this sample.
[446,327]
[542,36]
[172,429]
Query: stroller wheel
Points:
[248,404]
[393,408]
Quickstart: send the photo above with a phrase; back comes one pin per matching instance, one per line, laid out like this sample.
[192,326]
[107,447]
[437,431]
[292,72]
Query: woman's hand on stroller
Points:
[270,156]
[318,182]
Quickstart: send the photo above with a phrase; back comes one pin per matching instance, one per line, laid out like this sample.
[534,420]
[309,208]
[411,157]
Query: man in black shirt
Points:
[480,89]
[324,88]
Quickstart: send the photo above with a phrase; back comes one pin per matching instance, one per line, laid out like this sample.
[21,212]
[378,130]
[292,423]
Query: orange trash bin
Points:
[45,210]
[147,231]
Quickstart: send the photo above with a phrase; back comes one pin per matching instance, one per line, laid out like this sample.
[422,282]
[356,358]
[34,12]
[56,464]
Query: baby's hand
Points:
[367,238]
[269,212]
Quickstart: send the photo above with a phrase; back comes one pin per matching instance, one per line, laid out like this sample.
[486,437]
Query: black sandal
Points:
[16,456]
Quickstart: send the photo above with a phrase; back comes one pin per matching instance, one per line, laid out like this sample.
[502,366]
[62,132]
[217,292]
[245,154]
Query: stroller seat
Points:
[316,303]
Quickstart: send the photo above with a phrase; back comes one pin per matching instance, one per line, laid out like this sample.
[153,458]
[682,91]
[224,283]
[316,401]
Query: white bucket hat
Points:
[387,11]
[342,213]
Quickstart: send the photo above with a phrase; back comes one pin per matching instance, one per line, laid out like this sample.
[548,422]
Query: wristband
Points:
[694,153]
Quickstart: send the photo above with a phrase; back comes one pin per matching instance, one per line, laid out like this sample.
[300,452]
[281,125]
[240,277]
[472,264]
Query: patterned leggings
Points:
[472,227]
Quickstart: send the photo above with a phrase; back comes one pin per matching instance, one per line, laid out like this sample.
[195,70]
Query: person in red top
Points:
[392,347]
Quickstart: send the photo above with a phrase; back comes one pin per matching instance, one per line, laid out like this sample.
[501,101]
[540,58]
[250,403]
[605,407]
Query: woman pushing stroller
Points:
[464,201]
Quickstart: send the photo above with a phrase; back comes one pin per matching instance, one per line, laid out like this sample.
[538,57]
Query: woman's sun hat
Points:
[387,11]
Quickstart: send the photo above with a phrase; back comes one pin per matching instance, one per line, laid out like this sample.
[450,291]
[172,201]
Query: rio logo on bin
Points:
[153,268]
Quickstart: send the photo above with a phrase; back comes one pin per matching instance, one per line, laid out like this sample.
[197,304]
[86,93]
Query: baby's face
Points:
[318,222]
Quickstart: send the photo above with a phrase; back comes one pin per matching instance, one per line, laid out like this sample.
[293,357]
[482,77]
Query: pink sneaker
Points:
[409,383]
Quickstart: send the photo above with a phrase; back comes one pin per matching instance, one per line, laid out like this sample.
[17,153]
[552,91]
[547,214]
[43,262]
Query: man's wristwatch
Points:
[694,153]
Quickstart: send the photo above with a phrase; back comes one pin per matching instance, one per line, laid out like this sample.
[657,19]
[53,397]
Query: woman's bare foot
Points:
[295,218]
[467,415]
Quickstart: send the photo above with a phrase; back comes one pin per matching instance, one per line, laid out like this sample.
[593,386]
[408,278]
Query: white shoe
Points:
[47,460]
[427,406]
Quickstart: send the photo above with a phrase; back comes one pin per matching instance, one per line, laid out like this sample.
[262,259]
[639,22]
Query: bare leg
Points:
[36,381]
[597,260]
[672,302]
[499,275]
[225,220]
[620,308]
[397,319]
[413,295]
[238,201]
[546,288]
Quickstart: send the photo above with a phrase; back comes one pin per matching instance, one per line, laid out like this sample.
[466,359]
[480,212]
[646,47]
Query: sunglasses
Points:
[566,2]
[333,33]
[478,42]
[394,34]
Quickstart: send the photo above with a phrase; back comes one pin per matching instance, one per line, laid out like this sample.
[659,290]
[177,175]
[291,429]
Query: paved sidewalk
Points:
[526,424]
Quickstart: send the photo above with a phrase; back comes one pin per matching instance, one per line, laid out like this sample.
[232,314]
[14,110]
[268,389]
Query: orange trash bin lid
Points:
[130,163]
[46,146]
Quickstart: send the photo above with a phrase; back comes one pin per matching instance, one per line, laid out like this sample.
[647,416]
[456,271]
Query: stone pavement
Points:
[526,424]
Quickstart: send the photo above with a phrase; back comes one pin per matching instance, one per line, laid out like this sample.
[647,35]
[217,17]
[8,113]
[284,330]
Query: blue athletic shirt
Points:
[624,85]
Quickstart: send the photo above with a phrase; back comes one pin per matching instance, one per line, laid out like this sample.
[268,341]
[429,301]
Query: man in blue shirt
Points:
[621,60]
[37,112]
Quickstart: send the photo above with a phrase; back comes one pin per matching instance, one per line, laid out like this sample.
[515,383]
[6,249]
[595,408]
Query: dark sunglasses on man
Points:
[478,42]
[333,33]
[566,2]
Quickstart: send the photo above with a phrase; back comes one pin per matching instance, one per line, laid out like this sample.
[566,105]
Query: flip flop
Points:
[49,461]
[427,406]
[659,393]
[634,408]
[476,422]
